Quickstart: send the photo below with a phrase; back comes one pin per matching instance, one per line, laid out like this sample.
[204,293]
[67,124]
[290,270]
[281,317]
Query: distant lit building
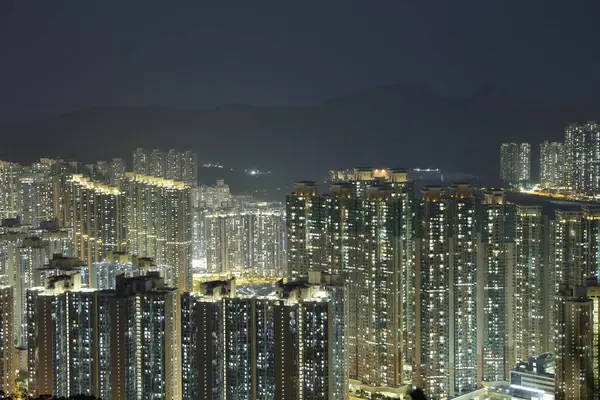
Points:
[290,345]
[582,157]
[552,164]
[515,164]
[524,164]
[10,194]
[213,197]
[173,164]
[96,214]
[36,193]
[158,216]
[248,240]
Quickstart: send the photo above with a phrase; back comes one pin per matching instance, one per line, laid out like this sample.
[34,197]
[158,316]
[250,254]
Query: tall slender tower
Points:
[515,163]
[496,263]
[448,295]
[10,192]
[529,285]
[7,348]
[551,164]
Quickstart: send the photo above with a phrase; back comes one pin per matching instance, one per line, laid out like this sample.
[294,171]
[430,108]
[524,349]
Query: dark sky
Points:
[62,55]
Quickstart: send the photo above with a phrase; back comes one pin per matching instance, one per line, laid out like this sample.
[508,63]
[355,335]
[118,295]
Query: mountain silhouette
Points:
[396,126]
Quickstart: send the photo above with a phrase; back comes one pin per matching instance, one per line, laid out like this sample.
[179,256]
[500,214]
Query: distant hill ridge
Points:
[401,125]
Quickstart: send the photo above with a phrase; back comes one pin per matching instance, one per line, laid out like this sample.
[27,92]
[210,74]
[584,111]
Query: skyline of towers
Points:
[515,164]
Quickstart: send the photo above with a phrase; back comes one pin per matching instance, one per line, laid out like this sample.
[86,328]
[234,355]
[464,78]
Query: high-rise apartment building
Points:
[10,180]
[139,339]
[530,297]
[448,315]
[23,258]
[574,346]
[496,258]
[61,340]
[363,230]
[515,163]
[552,164]
[96,215]
[36,193]
[306,230]
[7,342]
[247,240]
[158,217]
[290,345]
[173,164]
[582,157]
[116,344]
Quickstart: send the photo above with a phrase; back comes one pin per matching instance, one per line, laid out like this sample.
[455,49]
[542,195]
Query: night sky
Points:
[59,56]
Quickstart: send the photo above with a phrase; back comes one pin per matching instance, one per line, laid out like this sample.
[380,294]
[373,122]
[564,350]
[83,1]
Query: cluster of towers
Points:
[572,165]
[446,291]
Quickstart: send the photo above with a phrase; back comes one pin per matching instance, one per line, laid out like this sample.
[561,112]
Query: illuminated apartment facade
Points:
[173,164]
[575,346]
[36,193]
[7,348]
[139,338]
[290,345]
[96,215]
[306,219]
[158,215]
[363,230]
[496,257]
[582,157]
[62,341]
[515,163]
[10,200]
[530,296]
[448,315]
[552,164]
[248,240]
